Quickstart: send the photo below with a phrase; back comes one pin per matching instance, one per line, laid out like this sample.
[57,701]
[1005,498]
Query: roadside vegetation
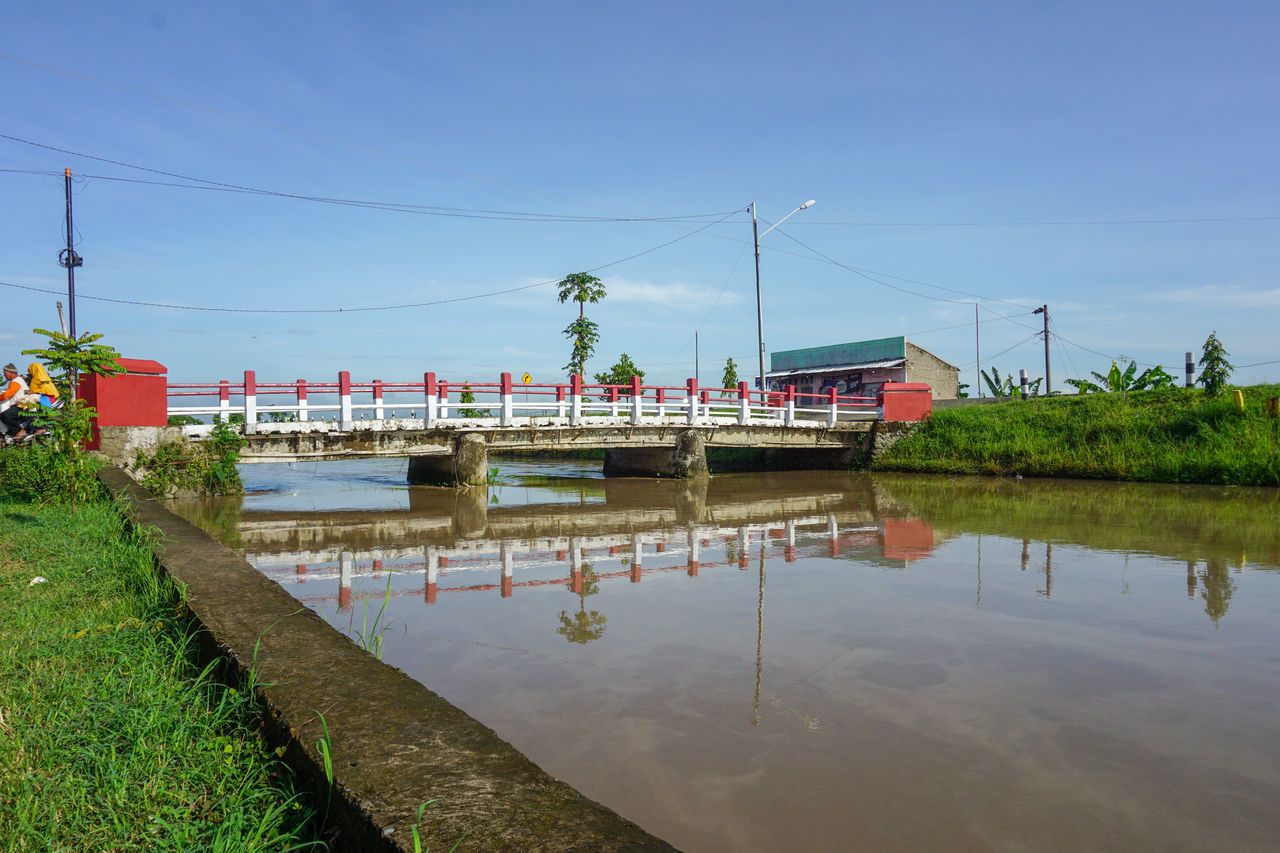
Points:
[110,738]
[1169,435]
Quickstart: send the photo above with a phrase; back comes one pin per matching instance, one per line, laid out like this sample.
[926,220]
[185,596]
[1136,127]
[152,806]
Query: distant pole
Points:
[69,259]
[977,350]
[696,375]
[755,236]
[1191,370]
[1048,383]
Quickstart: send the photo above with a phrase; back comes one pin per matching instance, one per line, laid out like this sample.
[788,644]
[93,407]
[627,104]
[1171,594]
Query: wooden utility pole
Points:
[1048,383]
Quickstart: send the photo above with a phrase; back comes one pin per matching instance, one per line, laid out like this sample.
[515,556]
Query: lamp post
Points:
[755,232]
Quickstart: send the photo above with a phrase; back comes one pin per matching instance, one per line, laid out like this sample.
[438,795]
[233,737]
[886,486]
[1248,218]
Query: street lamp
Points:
[755,232]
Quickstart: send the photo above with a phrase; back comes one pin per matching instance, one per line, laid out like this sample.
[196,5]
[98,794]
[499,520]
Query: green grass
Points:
[1176,436]
[110,738]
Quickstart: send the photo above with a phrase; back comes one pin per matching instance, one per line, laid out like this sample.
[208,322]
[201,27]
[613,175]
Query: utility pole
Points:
[697,370]
[977,351]
[69,259]
[1048,383]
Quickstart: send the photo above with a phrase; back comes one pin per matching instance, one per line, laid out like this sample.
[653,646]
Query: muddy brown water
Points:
[824,661]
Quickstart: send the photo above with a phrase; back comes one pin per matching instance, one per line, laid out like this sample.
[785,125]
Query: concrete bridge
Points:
[447,428]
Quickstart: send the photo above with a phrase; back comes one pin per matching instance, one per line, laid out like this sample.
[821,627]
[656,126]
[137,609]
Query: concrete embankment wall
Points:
[393,744]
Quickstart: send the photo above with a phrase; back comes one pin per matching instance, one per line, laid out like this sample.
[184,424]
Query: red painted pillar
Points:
[429,395]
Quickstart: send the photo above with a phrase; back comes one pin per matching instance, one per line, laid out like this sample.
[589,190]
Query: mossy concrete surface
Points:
[393,744]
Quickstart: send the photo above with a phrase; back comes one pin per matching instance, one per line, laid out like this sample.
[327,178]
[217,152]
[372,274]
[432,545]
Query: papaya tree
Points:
[585,334]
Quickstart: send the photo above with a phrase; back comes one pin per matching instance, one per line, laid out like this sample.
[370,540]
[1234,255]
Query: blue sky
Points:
[1117,161]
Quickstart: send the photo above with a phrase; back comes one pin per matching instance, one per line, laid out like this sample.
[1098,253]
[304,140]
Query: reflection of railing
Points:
[577,552]
[503,403]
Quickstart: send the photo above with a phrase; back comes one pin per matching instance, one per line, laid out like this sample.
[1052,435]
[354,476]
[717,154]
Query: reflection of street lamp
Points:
[755,232]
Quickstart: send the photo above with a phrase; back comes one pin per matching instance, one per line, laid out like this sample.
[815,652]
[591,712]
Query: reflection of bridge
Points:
[640,424]
[897,539]
[655,526]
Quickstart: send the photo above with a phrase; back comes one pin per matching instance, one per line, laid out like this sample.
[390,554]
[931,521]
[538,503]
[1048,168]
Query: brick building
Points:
[861,367]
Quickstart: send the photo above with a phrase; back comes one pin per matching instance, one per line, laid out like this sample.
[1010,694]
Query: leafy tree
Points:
[730,377]
[581,288]
[1215,370]
[1124,381]
[620,374]
[69,357]
[964,390]
[72,423]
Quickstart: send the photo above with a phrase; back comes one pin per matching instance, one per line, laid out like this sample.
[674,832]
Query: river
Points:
[820,660]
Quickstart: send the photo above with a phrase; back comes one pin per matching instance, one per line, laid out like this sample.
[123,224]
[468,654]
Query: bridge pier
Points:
[468,465]
[687,460]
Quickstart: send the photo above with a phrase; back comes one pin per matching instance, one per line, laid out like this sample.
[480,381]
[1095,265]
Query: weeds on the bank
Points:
[112,740]
[370,635]
[205,467]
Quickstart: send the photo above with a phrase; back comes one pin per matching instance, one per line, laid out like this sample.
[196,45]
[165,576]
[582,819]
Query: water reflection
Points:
[823,661]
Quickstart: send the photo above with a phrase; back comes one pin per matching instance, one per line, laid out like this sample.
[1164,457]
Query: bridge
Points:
[447,428]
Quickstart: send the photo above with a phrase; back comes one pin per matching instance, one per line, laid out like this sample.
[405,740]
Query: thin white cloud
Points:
[1227,295]
[670,295]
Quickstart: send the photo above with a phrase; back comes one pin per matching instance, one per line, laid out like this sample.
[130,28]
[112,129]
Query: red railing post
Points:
[301,388]
[250,401]
[429,391]
[637,400]
[691,397]
[789,401]
[744,403]
[344,400]
[834,404]
[504,387]
[378,411]
[575,399]
[561,400]
[224,401]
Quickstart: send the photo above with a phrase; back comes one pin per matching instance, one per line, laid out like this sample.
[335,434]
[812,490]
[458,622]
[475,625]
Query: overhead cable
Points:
[449,300]
[402,207]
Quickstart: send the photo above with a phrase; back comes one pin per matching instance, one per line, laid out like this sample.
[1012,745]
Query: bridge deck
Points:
[321,440]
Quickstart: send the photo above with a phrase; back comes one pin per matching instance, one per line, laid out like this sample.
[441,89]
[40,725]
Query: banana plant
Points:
[1124,381]
[1005,387]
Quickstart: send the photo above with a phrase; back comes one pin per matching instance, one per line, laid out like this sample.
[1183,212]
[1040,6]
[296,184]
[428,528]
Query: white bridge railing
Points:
[344,405]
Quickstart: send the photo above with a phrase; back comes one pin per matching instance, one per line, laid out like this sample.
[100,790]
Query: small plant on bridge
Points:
[581,288]
[469,396]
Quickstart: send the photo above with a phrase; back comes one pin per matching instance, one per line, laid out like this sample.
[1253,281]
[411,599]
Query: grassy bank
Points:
[1176,436]
[109,738]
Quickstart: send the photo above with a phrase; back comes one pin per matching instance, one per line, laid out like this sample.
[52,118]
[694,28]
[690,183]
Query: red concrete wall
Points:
[137,397]
[906,401]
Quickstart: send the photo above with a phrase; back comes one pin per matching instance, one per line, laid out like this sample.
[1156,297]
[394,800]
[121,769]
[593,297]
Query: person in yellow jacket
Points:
[38,390]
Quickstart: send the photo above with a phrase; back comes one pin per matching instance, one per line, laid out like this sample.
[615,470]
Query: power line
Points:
[865,274]
[401,207]
[1039,222]
[366,308]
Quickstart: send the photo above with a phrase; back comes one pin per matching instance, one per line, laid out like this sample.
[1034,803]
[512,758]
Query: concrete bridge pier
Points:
[686,461]
[468,465]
